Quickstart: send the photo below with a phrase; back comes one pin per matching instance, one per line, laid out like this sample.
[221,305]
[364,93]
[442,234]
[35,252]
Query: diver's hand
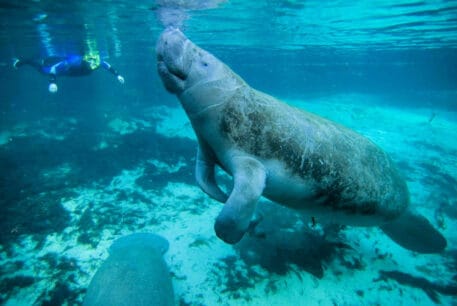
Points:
[120,79]
[15,62]
[52,88]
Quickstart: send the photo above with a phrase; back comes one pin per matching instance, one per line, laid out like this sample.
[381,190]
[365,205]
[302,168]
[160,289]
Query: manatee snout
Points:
[170,44]
[172,62]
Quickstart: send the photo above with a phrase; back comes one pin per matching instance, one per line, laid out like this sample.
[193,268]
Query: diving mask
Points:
[93,60]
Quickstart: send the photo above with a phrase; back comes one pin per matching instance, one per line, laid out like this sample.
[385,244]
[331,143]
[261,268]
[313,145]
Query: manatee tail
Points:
[415,233]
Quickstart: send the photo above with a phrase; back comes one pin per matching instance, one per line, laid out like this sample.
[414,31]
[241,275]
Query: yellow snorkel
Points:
[92,56]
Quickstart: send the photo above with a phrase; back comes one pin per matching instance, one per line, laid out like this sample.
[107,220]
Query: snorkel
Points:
[92,55]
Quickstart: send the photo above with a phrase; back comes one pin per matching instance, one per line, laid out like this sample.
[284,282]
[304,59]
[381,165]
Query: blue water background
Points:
[286,48]
[404,53]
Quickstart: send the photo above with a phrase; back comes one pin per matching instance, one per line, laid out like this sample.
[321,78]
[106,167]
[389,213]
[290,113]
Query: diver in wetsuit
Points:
[73,65]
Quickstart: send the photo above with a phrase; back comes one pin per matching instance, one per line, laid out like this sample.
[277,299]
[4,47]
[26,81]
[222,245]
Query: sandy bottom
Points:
[285,262]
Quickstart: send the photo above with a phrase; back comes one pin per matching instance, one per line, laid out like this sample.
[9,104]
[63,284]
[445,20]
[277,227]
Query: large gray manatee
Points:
[287,155]
[134,274]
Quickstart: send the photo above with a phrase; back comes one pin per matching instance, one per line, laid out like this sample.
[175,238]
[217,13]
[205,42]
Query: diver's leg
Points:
[30,62]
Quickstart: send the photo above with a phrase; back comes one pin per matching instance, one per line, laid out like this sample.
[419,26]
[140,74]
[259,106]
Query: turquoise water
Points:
[99,160]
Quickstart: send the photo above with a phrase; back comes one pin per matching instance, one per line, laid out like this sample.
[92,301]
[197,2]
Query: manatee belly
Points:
[314,164]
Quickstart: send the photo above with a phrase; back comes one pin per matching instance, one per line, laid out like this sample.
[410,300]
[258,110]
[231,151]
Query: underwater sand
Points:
[291,265]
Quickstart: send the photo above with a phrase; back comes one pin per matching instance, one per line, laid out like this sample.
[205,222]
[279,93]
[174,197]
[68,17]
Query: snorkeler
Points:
[74,65]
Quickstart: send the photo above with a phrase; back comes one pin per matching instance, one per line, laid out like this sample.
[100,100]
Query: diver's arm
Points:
[52,83]
[53,75]
[110,68]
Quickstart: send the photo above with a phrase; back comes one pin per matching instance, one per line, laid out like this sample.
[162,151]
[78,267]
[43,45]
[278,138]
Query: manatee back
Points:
[134,274]
[143,241]
[344,171]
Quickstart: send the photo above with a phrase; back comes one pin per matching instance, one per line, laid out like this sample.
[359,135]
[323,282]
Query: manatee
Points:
[134,274]
[290,156]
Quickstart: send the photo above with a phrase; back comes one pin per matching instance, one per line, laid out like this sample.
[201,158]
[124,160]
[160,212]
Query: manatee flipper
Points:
[414,232]
[204,173]
[249,181]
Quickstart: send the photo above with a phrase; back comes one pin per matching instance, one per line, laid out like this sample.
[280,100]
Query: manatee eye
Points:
[205,64]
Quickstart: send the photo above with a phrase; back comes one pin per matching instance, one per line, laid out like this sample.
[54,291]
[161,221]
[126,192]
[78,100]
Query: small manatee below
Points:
[135,273]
